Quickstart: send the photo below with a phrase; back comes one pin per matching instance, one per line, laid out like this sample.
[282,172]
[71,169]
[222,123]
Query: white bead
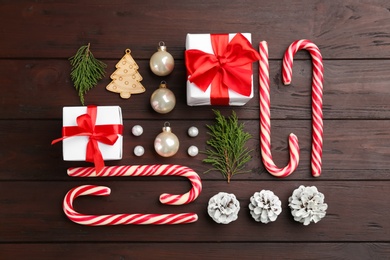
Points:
[139,150]
[137,130]
[193,150]
[193,131]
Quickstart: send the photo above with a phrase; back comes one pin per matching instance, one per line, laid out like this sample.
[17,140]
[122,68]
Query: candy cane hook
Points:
[137,219]
[117,219]
[317,87]
[265,122]
[149,170]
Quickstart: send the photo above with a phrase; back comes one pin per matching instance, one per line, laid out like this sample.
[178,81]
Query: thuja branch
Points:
[86,70]
[228,152]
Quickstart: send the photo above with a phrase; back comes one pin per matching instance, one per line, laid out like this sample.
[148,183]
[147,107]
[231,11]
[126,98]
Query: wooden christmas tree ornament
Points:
[126,78]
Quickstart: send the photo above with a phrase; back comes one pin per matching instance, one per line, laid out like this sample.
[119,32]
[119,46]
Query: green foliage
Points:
[86,70]
[228,153]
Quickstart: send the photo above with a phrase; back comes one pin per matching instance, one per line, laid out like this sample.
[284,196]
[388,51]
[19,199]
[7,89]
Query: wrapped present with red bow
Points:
[219,69]
[92,134]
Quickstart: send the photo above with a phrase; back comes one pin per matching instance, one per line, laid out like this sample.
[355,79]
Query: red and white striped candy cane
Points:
[149,170]
[317,87]
[265,122]
[117,219]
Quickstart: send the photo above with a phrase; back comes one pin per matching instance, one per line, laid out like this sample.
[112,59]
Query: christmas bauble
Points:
[166,143]
[162,63]
[163,100]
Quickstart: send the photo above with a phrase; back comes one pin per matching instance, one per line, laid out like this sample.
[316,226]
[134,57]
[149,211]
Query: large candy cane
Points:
[317,86]
[133,170]
[265,122]
[117,219]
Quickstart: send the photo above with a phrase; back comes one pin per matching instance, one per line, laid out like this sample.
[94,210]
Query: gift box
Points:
[92,134]
[219,69]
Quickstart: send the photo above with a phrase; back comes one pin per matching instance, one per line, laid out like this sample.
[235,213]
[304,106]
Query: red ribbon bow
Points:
[230,67]
[107,134]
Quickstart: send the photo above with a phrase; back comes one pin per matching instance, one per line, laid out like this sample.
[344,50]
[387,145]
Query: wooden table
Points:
[38,37]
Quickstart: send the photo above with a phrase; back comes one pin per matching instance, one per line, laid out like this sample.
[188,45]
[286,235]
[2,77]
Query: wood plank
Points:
[357,213]
[352,90]
[347,29]
[38,37]
[352,149]
[200,251]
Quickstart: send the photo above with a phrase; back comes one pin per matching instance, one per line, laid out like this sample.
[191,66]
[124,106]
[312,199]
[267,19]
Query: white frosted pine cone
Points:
[307,205]
[265,206]
[223,208]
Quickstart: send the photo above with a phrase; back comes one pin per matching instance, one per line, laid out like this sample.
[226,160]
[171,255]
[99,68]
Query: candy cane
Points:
[149,170]
[117,219]
[265,122]
[317,82]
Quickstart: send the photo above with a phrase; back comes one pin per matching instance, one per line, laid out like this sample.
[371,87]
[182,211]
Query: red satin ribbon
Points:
[107,134]
[230,67]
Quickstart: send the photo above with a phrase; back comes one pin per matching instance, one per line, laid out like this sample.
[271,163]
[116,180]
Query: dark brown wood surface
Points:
[38,37]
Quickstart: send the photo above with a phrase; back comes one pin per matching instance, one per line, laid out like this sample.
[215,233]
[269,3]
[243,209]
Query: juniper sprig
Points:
[86,70]
[228,153]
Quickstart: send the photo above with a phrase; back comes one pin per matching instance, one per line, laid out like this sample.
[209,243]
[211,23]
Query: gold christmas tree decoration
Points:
[126,78]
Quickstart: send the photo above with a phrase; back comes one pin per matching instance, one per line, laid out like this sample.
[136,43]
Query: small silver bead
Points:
[193,131]
[139,150]
[193,151]
[137,130]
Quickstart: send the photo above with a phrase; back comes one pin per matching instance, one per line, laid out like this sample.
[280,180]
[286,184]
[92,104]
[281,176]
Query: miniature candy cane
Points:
[149,170]
[265,122]
[317,82]
[117,219]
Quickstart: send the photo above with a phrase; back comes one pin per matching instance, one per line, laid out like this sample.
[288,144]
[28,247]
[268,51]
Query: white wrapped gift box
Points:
[197,97]
[74,148]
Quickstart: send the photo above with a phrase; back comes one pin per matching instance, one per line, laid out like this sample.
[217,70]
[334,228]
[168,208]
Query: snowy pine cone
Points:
[265,206]
[223,208]
[307,205]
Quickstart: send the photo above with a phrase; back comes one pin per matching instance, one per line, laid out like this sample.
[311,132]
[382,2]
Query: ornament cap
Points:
[163,84]
[161,46]
[167,127]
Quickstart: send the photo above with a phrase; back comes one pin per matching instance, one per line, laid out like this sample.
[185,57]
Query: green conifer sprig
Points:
[228,153]
[86,70]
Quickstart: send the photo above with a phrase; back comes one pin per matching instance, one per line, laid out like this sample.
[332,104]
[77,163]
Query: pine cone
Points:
[265,206]
[223,208]
[307,205]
